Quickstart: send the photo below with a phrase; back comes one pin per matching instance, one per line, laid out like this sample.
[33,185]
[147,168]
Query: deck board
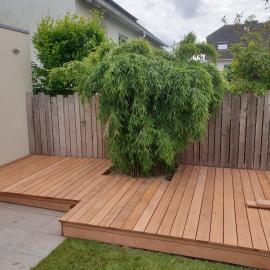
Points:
[201,212]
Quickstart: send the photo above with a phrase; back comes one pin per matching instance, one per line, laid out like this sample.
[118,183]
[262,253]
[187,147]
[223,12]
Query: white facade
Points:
[16,80]
[26,14]
[223,63]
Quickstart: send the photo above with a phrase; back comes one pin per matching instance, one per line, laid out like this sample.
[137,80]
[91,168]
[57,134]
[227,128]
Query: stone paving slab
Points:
[27,235]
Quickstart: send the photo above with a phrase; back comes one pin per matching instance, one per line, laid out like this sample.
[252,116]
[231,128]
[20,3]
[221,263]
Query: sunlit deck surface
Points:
[201,212]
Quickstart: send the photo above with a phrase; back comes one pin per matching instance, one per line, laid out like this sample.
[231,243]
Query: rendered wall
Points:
[15,81]
[27,14]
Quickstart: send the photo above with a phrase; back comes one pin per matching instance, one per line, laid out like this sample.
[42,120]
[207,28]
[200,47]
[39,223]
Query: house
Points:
[16,81]
[120,25]
[224,37]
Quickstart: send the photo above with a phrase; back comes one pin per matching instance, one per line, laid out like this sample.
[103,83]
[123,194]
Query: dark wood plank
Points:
[204,148]
[258,133]
[61,125]
[72,126]
[250,135]
[67,131]
[88,130]
[78,125]
[49,125]
[218,137]
[30,123]
[234,132]
[83,129]
[225,130]
[242,132]
[211,141]
[37,125]
[55,125]
[42,119]
[265,132]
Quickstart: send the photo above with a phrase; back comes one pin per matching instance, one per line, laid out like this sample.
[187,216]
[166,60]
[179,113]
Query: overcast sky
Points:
[171,19]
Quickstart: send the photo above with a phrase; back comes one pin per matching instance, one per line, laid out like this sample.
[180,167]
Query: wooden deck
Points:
[201,213]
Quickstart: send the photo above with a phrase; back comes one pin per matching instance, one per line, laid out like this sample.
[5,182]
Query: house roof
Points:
[122,10]
[230,34]
[13,28]
[131,20]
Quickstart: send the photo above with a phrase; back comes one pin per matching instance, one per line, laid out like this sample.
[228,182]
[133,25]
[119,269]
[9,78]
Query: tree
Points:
[250,67]
[154,103]
[59,41]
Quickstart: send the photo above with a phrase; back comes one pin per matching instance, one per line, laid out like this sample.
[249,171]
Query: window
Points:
[122,38]
[226,66]
[223,46]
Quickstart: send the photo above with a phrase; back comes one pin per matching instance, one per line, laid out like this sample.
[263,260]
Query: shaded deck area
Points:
[202,212]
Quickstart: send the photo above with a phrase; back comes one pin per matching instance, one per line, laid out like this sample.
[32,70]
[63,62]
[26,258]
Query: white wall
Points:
[15,81]
[221,63]
[113,26]
[26,14]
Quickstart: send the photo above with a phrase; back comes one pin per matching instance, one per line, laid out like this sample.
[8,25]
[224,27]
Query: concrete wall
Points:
[15,81]
[27,14]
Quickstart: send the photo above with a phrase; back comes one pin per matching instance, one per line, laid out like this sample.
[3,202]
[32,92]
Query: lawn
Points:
[74,254]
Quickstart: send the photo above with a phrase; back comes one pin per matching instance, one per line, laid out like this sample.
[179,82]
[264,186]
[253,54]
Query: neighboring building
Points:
[120,24]
[223,38]
[16,80]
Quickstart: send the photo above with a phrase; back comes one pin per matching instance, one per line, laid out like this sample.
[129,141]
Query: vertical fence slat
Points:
[225,130]
[61,124]
[42,119]
[265,131]
[99,130]
[234,134]
[204,148]
[88,130]
[30,123]
[82,125]
[211,141]
[238,135]
[78,124]
[49,127]
[67,132]
[190,154]
[55,125]
[218,136]
[258,133]
[37,125]
[94,127]
[72,126]
[250,134]
[242,132]
[196,151]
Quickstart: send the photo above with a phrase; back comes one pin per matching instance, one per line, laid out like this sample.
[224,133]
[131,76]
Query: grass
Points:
[75,254]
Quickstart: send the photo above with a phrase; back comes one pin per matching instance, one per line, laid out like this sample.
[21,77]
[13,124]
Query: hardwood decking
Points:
[201,213]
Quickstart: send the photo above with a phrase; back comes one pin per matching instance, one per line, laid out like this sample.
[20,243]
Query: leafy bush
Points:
[154,103]
[250,67]
[59,41]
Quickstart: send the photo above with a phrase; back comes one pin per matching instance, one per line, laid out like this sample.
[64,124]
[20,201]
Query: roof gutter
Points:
[133,24]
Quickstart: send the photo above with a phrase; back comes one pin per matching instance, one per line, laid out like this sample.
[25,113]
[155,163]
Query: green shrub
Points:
[154,103]
[60,41]
[250,67]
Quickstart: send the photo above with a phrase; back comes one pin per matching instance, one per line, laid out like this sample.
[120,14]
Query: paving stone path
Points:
[27,235]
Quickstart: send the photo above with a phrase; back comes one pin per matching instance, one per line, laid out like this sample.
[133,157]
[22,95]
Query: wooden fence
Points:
[63,126]
[237,137]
